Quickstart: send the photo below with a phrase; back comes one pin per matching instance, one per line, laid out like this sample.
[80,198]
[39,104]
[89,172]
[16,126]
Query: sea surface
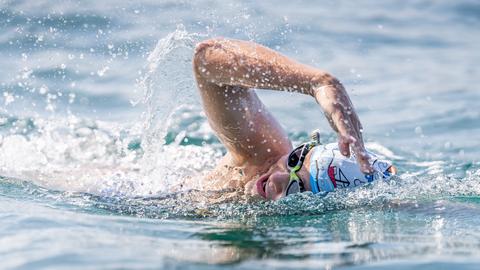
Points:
[100,122]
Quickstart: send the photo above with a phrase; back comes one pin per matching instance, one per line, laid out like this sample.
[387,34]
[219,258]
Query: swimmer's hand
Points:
[343,119]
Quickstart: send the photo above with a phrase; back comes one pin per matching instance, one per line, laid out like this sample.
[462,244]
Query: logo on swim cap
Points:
[329,169]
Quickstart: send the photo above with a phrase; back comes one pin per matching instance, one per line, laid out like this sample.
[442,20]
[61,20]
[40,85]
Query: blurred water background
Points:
[100,121]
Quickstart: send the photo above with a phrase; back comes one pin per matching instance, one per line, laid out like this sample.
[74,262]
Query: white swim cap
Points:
[329,169]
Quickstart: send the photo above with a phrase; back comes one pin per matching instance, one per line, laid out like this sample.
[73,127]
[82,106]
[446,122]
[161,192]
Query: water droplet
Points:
[71,98]
[43,90]
[9,98]
[447,145]
[102,71]
[418,130]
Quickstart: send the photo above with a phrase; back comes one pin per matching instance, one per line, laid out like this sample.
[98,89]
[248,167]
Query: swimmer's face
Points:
[272,184]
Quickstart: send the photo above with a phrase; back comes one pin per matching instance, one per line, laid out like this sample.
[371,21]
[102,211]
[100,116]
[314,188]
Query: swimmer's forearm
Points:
[250,65]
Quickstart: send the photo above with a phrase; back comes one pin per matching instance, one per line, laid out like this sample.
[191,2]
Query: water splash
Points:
[119,159]
[403,193]
[167,83]
[102,158]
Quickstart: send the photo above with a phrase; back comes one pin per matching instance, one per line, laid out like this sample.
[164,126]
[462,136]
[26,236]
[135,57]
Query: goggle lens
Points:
[294,157]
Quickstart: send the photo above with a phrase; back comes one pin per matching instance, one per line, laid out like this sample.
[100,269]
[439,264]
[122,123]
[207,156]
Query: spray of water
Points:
[166,84]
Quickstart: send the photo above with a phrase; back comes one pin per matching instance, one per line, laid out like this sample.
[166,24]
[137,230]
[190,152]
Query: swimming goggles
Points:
[294,164]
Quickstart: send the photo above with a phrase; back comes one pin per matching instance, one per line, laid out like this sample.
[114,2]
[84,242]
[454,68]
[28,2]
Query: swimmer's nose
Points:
[277,184]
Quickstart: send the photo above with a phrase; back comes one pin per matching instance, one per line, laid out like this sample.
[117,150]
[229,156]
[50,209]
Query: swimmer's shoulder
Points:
[226,174]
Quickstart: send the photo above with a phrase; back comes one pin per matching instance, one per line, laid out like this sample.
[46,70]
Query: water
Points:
[100,121]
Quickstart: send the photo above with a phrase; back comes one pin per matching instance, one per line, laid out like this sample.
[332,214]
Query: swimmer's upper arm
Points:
[241,121]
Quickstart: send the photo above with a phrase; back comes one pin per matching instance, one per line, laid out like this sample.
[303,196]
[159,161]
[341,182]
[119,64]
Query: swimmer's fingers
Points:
[344,143]
[350,137]
[359,147]
[346,134]
[362,157]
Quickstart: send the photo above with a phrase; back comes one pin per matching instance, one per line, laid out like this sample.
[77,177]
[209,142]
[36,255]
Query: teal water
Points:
[100,122]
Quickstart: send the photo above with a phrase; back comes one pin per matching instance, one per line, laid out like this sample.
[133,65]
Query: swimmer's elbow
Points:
[207,44]
[211,43]
[206,57]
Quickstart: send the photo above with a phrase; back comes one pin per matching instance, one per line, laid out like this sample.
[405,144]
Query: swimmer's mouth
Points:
[262,184]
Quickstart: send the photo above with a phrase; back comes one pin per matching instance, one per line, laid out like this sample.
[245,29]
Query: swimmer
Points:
[260,157]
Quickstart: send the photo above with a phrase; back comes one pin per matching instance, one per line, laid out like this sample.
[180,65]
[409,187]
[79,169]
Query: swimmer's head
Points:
[319,169]
[329,169]
[273,184]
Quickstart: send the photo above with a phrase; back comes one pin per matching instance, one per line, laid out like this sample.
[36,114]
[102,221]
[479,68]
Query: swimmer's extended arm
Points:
[226,69]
